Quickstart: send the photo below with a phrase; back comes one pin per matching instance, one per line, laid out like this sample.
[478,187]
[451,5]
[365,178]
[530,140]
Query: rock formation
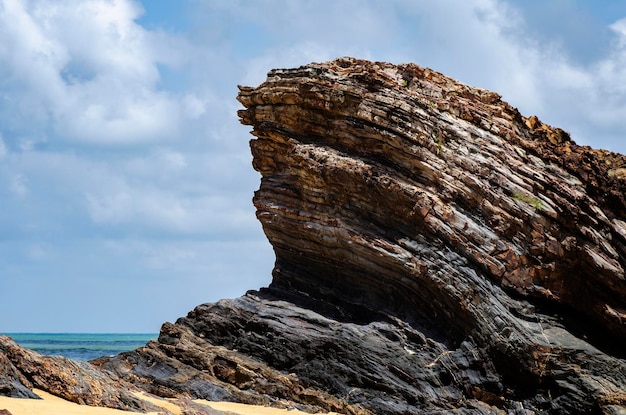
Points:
[21,370]
[436,252]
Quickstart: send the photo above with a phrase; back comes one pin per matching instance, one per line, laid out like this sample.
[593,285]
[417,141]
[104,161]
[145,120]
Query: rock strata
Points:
[21,370]
[436,252]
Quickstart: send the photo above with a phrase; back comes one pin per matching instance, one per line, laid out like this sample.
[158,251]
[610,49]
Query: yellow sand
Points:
[52,405]
[163,403]
[242,409]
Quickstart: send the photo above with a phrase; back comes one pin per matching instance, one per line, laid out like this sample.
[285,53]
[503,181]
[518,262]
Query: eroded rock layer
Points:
[21,370]
[436,252]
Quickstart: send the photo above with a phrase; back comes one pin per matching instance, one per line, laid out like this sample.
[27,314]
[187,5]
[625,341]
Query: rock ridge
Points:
[21,370]
[511,194]
[436,252]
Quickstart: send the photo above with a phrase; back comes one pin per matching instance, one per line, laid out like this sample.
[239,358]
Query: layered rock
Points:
[21,370]
[372,172]
[436,252]
[184,362]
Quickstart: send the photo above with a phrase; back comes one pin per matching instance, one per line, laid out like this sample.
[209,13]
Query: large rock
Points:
[12,383]
[183,363]
[436,252]
[23,369]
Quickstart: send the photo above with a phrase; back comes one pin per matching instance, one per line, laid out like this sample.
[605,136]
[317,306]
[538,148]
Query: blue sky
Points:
[125,176]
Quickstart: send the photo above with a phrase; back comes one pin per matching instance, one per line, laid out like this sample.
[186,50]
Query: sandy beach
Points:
[51,404]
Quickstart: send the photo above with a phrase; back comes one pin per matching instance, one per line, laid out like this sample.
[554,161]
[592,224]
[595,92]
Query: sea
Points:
[81,346]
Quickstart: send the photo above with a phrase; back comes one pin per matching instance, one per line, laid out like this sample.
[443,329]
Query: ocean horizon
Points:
[81,346]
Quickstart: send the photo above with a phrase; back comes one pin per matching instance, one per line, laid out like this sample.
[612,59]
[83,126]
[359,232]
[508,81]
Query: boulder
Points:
[76,381]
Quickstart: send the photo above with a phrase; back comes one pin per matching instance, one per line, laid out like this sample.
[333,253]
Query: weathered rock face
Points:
[436,252]
[22,369]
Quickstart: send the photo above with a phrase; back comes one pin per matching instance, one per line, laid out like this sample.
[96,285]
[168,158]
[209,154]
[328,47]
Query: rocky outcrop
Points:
[12,383]
[436,252]
[21,370]
[24,373]
[183,363]
[398,190]
[372,172]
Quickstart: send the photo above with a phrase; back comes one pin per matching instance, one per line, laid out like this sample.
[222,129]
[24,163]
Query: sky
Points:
[126,178]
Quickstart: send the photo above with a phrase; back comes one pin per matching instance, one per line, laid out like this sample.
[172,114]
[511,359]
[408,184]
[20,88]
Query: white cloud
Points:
[88,71]
[163,192]
[170,212]
[77,76]
[619,27]
[611,72]
[19,185]
[194,107]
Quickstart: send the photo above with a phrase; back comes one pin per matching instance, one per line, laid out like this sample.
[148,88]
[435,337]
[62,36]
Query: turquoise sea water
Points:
[81,346]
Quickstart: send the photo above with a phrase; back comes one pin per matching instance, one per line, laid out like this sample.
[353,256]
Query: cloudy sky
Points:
[125,176]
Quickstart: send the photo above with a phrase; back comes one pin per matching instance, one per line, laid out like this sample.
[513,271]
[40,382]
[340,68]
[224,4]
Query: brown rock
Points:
[75,381]
[452,189]
[12,383]
[436,252]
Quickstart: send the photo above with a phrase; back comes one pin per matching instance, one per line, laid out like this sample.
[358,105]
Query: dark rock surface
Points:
[12,383]
[182,362]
